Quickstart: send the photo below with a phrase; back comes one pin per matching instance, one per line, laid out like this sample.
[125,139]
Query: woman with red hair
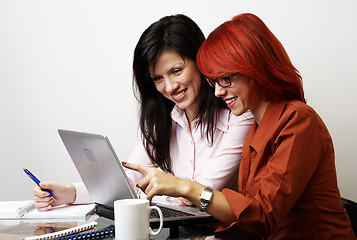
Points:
[287,176]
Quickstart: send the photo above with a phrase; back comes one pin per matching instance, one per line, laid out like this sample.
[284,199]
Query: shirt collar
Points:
[178,115]
[259,134]
[224,116]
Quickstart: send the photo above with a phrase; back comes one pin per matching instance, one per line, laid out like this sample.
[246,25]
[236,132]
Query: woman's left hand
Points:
[183,201]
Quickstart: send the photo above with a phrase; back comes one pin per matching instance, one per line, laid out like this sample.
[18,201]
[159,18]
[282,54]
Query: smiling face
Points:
[178,79]
[242,96]
[236,96]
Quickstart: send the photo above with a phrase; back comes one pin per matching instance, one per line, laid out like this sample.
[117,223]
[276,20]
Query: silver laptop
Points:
[105,179]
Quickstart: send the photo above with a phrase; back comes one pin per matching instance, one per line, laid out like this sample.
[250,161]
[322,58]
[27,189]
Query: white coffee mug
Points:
[132,219]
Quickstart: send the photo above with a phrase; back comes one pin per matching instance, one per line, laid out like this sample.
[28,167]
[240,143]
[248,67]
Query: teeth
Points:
[231,100]
[179,95]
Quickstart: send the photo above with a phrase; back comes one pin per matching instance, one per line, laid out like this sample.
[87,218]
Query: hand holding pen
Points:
[45,191]
[38,182]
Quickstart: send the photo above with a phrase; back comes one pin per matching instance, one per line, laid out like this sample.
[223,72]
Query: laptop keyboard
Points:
[168,212]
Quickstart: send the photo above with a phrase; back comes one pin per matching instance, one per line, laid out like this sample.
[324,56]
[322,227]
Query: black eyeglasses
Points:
[223,81]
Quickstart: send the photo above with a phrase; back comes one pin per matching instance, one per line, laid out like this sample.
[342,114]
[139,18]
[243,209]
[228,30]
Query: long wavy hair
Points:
[246,45]
[181,34]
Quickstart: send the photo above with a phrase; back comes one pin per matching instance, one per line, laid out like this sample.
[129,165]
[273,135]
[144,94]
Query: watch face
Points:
[206,195]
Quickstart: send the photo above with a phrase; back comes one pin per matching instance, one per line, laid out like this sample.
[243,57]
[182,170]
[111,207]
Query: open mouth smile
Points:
[179,96]
[231,101]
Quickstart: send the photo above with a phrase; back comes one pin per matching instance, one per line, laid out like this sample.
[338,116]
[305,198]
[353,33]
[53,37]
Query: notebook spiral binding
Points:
[63,233]
[98,234]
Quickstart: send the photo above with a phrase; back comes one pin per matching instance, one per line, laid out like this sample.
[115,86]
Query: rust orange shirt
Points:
[287,178]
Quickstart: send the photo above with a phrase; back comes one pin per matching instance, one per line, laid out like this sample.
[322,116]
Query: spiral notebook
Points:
[63,233]
[97,234]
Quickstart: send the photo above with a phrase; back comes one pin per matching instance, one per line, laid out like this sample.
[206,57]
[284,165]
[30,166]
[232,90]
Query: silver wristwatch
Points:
[206,197]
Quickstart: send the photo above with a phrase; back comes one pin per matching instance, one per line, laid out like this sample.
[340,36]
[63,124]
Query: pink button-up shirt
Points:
[193,157]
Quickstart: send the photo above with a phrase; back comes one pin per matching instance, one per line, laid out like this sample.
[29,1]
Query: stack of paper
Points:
[26,210]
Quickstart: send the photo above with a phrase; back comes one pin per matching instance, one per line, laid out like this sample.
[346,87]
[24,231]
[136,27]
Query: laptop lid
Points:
[103,175]
[98,166]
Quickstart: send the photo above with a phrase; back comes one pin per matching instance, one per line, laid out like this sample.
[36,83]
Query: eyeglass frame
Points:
[212,81]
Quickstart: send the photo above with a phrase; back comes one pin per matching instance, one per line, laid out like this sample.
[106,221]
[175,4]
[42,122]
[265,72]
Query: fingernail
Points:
[137,185]
[124,163]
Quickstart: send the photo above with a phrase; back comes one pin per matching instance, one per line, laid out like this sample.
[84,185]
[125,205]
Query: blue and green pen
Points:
[38,182]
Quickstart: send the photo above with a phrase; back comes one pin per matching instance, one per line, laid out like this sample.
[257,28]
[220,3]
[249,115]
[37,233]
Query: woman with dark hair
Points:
[180,36]
[287,177]
[186,131]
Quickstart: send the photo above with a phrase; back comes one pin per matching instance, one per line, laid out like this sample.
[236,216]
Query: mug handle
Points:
[161,220]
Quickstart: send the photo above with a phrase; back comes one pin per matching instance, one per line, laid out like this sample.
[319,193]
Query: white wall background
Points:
[67,64]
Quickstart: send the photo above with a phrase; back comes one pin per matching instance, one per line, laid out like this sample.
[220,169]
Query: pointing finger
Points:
[137,167]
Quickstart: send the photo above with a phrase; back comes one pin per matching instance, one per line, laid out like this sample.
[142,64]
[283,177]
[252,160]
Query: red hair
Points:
[246,45]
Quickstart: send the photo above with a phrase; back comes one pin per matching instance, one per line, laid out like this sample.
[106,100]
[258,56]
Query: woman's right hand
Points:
[65,194]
